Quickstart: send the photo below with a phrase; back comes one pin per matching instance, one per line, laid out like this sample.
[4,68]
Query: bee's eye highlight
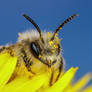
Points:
[34,49]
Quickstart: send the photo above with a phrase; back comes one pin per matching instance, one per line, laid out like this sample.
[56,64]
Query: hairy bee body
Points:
[31,63]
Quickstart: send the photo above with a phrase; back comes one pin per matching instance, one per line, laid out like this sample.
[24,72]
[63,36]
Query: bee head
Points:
[46,51]
[44,47]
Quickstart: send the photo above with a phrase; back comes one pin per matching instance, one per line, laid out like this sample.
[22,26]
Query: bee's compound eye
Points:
[34,49]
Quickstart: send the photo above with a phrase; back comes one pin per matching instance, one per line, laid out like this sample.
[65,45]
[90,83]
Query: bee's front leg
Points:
[57,73]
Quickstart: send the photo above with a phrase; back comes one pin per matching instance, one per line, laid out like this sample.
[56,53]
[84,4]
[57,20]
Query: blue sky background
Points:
[48,14]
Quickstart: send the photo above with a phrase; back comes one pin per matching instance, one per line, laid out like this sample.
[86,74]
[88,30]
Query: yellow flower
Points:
[38,83]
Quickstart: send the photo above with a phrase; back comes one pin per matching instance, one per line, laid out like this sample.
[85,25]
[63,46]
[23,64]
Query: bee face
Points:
[45,52]
[39,54]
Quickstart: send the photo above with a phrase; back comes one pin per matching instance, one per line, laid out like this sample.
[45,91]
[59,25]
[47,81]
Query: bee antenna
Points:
[35,25]
[61,25]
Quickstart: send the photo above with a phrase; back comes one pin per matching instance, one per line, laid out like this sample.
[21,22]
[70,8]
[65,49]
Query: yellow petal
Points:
[7,66]
[39,83]
[23,84]
[89,89]
[81,83]
[63,82]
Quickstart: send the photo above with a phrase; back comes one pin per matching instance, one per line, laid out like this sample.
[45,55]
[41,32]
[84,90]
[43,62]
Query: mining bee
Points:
[37,52]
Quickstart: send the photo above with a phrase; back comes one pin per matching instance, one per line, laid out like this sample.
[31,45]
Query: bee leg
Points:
[28,63]
[60,69]
[51,79]
[2,48]
[56,73]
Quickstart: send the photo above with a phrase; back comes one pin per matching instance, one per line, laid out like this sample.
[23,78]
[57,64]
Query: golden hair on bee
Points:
[38,51]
